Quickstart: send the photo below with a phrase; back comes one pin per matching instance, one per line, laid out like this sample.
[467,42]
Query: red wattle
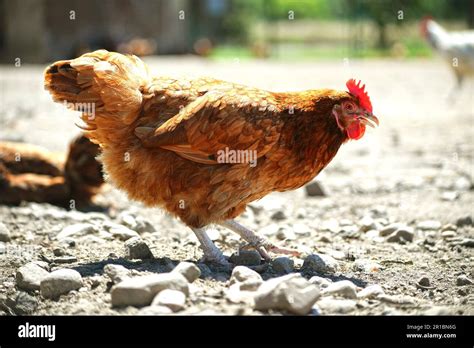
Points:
[355,130]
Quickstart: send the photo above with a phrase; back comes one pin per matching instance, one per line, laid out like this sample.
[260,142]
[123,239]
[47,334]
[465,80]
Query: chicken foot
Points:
[261,244]
[211,252]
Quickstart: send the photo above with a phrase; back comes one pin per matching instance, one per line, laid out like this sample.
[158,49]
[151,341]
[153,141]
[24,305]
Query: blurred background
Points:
[39,31]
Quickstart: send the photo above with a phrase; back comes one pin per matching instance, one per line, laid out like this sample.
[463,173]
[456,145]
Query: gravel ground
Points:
[392,234]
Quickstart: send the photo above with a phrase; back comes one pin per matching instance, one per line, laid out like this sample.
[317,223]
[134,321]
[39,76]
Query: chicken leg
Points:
[211,252]
[261,244]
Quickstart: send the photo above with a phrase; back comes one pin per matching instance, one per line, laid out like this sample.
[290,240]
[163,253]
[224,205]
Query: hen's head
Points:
[354,113]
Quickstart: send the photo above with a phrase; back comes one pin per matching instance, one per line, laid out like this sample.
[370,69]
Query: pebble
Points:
[315,189]
[367,224]
[155,310]
[424,283]
[396,299]
[286,233]
[463,280]
[344,288]
[242,274]
[189,270]
[173,299]
[291,293]
[283,264]
[278,215]
[449,196]
[270,229]
[76,230]
[339,306]
[366,266]
[136,223]
[65,259]
[448,234]
[371,291]
[301,229]
[464,221]
[320,263]
[140,291]
[320,281]
[4,233]
[120,232]
[29,276]
[246,258]
[388,230]
[137,249]
[429,225]
[60,282]
[24,303]
[401,235]
[116,273]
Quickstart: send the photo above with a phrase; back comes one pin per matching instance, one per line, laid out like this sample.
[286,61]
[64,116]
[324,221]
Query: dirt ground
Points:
[416,169]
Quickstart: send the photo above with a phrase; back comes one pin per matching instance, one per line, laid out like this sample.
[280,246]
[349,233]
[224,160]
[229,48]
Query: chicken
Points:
[32,173]
[202,149]
[457,48]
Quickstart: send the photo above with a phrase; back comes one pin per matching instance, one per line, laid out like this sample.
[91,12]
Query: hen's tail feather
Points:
[106,86]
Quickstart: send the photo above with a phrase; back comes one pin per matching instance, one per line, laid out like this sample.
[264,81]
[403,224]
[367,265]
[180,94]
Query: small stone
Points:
[60,282]
[155,310]
[24,304]
[301,229]
[464,221]
[429,225]
[140,291]
[371,291]
[137,249]
[246,258]
[388,230]
[286,233]
[449,196]
[173,299]
[59,251]
[396,299]
[366,266]
[291,293]
[462,184]
[4,233]
[403,234]
[315,189]
[320,281]
[116,273]
[189,270]
[463,280]
[333,306]
[270,229]
[29,276]
[283,264]
[76,230]
[424,282]
[278,215]
[120,232]
[320,263]
[65,259]
[344,288]
[367,224]
[242,274]
[448,234]
[449,227]
[136,223]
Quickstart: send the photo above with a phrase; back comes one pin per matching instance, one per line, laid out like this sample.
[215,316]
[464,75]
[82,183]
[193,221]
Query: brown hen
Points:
[203,149]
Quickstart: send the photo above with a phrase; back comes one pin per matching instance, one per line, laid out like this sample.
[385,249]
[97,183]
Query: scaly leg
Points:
[211,252]
[261,244]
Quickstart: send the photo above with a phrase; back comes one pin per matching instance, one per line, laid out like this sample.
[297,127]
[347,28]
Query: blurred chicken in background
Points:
[457,48]
[34,174]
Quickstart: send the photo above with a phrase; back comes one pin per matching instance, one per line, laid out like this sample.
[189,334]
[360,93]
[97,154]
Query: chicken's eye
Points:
[349,107]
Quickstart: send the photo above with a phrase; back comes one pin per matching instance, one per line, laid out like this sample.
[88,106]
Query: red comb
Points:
[359,92]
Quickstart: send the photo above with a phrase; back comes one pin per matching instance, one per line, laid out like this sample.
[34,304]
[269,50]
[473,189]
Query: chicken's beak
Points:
[369,119]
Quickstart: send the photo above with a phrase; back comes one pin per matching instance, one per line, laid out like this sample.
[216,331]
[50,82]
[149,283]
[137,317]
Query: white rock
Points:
[344,288]
[140,291]
[137,249]
[320,263]
[121,232]
[367,224]
[155,310]
[60,282]
[448,234]
[371,291]
[242,274]
[320,281]
[76,230]
[4,233]
[116,273]
[301,229]
[290,293]
[270,229]
[429,225]
[366,266]
[333,306]
[173,299]
[29,276]
[189,270]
